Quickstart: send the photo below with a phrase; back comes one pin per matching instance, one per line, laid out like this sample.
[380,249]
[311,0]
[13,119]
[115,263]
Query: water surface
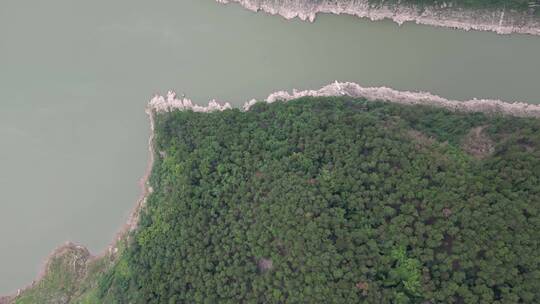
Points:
[75,76]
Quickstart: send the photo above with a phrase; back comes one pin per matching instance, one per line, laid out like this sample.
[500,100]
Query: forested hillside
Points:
[333,200]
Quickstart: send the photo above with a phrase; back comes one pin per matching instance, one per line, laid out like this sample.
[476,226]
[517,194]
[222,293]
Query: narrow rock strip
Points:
[441,16]
[354,90]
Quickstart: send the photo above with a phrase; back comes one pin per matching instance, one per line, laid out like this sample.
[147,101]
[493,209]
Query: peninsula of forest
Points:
[328,199]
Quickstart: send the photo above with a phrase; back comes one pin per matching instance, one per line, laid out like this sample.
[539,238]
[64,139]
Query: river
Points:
[75,77]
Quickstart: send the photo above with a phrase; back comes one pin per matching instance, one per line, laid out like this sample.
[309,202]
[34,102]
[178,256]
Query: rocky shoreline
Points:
[499,21]
[171,102]
[520,109]
[84,257]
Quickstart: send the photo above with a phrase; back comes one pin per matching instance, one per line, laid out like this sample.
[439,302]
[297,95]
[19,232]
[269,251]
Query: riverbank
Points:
[170,102]
[77,258]
[500,21]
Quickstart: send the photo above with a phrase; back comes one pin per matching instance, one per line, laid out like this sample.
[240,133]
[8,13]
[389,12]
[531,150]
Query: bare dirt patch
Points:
[420,138]
[478,144]
[265,265]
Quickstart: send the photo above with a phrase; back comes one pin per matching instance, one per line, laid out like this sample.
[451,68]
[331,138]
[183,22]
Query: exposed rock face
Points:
[161,104]
[67,266]
[170,102]
[499,21]
[412,98]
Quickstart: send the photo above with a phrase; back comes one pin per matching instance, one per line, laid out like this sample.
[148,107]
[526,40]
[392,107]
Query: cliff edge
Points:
[501,21]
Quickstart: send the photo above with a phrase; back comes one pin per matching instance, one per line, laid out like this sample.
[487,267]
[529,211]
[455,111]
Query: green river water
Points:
[75,77]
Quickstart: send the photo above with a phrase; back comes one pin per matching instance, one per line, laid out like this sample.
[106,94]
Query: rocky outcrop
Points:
[411,98]
[354,90]
[499,21]
[65,268]
[171,102]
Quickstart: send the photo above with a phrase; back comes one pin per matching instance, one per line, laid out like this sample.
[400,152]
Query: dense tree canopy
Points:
[333,200]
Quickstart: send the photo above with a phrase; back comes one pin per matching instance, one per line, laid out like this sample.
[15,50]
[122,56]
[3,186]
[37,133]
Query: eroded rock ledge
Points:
[499,21]
[171,102]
